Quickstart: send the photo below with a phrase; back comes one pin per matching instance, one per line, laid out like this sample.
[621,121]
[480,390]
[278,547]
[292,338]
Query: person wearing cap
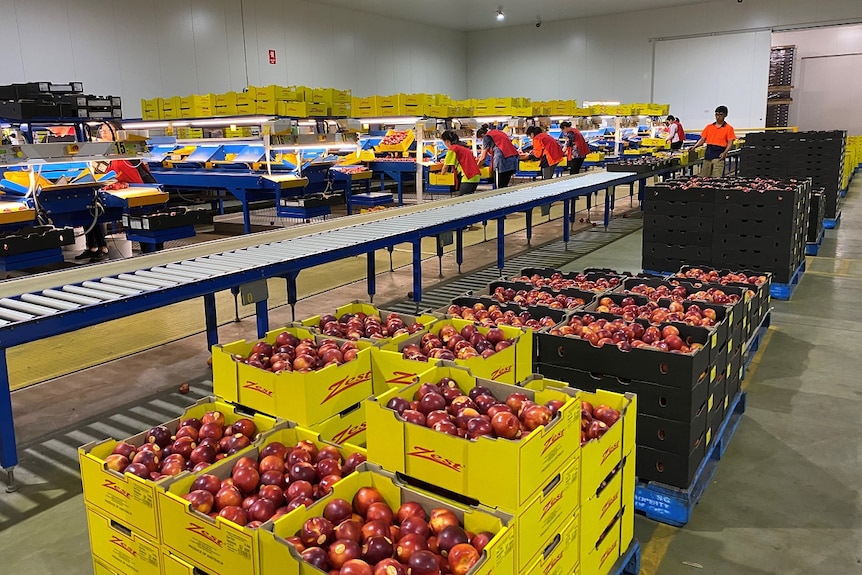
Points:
[546,150]
[460,156]
[504,155]
[719,137]
[675,133]
[576,147]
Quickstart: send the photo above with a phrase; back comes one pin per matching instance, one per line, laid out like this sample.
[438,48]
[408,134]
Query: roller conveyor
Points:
[50,311]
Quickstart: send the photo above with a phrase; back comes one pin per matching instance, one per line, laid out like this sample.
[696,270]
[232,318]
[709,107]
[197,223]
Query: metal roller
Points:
[71,297]
[149,277]
[189,271]
[13,315]
[49,302]
[94,293]
[110,288]
[32,308]
[185,277]
[203,268]
[139,286]
[209,262]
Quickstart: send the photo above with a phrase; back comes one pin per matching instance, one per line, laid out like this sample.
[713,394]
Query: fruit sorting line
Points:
[55,309]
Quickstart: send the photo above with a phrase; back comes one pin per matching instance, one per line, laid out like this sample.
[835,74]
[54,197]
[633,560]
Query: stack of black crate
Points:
[816,215]
[815,155]
[762,230]
[47,100]
[682,398]
[678,227]
[726,226]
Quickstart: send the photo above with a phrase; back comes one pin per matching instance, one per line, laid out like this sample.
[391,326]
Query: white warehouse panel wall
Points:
[824,55]
[148,48]
[727,69]
[611,57]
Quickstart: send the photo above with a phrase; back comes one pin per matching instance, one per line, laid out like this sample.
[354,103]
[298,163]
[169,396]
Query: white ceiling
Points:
[472,15]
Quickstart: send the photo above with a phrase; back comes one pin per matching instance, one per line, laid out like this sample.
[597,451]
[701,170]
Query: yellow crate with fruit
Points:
[345,428]
[659,143]
[595,157]
[131,499]
[561,554]
[301,395]
[360,320]
[391,369]
[396,141]
[121,549]
[503,473]
[372,483]
[218,545]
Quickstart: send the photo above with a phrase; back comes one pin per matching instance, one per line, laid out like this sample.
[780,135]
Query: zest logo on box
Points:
[610,502]
[553,563]
[550,504]
[199,530]
[501,371]
[552,440]
[351,431]
[114,487]
[343,385]
[258,388]
[607,553]
[431,455]
[610,450]
[122,545]
[402,378]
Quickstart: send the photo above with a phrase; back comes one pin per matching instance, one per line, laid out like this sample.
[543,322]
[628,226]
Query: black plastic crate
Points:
[34,239]
[691,254]
[160,221]
[678,222]
[669,468]
[38,90]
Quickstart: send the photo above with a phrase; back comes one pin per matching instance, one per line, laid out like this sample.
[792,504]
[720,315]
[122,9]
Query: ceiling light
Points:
[500,15]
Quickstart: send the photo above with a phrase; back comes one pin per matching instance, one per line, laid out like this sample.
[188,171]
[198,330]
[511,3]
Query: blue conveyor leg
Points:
[371,275]
[211,320]
[8,448]
[567,209]
[417,271]
[262,314]
[501,244]
[459,247]
[292,296]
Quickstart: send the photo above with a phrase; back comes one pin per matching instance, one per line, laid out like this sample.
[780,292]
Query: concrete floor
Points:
[786,498]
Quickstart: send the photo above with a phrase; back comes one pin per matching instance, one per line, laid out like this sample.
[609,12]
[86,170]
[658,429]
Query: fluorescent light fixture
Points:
[337,146]
[500,15]
[559,118]
[250,121]
[404,120]
[492,118]
[306,123]
[600,103]
[152,125]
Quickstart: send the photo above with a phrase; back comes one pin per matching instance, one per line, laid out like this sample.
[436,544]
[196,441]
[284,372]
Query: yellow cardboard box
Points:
[318,109]
[484,468]
[245,98]
[120,548]
[266,107]
[226,110]
[346,428]
[293,109]
[342,96]
[321,95]
[358,307]
[303,397]
[561,554]
[599,555]
[278,556]
[173,564]
[226,99]
[340,109]
[127,498]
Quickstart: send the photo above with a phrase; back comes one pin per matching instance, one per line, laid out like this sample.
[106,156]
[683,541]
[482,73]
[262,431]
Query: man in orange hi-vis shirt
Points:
[719,137]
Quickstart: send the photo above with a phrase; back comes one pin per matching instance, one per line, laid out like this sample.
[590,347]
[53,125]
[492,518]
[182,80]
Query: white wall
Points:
[148,48]
[827,78]
[611,57]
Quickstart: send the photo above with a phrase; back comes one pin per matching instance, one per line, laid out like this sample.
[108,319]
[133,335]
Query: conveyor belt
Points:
[51,310]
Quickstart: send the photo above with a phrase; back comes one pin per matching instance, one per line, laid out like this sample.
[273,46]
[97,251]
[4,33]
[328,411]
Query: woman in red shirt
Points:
[546,149]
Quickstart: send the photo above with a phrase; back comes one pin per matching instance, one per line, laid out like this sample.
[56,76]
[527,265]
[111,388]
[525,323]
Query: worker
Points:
[719,137]
[504,155]
[126,171]
[576,147]
[546,150]
[675,133]
[460,156]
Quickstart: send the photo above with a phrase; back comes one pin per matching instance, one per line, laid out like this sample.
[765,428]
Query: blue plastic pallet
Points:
[832,223]
[674,506]
[785,291]
[812,248]
[630,561]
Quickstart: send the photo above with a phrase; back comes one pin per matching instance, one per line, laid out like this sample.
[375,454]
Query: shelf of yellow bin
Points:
[16,213]
[138,196]
[499,472]
[595,157]
[303,397]
[279,556]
